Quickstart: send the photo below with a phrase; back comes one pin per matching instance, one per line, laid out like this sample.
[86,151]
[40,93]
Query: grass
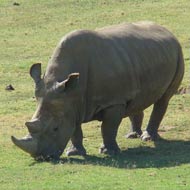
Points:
[28,34]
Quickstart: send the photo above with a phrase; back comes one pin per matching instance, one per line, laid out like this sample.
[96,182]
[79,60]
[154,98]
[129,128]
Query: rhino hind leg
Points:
[112,117]
[136,123]
[161,105]
[156,117]
[77,147]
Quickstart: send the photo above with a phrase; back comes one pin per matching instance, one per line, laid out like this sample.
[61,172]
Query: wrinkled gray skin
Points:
[104,75]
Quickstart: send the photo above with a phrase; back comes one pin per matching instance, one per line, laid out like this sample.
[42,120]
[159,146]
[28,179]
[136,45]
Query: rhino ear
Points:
[35,72]
[72,81]
[69,83]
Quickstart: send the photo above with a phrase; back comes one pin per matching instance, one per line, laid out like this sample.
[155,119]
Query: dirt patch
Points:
[183,90]
[9,88]
[16,4]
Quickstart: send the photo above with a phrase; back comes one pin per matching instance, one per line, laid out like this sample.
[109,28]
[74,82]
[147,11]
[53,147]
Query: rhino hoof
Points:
[109,151]
[146,136]
[133,135]
[73,151]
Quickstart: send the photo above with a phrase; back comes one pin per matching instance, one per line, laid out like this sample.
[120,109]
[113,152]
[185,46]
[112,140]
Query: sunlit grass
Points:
[28,34]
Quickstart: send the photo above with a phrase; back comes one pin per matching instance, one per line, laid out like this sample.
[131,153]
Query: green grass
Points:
[28,34]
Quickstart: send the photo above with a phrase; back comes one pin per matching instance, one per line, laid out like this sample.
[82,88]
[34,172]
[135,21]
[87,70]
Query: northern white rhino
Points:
[104,75]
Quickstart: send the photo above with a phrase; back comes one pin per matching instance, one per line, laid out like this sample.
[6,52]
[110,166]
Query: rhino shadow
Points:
[166,153]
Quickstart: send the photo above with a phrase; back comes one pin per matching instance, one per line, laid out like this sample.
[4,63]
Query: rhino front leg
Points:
[136,123]
[77,145]
[156,117]
[112,117]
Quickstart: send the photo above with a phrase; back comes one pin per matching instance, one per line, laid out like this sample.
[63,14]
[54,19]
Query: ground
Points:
[29,32]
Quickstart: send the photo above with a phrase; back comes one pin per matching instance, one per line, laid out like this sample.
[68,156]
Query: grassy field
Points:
[29,33]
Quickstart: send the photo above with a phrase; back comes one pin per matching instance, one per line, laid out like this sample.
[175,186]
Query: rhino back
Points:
[130,64]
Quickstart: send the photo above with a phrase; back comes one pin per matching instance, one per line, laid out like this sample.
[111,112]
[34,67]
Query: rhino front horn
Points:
[28,144]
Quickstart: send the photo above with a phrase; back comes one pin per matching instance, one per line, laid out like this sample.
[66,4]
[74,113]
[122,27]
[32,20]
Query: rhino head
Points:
[54,121]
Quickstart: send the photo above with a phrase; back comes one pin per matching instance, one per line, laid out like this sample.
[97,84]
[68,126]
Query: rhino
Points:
[106,74]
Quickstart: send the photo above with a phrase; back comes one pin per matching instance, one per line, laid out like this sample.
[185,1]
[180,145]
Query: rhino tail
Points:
[178,76]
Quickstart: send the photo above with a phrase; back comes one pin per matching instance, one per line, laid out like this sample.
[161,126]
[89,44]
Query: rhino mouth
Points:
[48,157]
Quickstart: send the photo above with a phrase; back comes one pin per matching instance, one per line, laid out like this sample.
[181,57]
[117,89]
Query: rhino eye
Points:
[55,129]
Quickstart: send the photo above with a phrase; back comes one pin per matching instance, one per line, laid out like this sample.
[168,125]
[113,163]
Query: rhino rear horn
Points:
[33,126]
[28,144]
[35,72]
